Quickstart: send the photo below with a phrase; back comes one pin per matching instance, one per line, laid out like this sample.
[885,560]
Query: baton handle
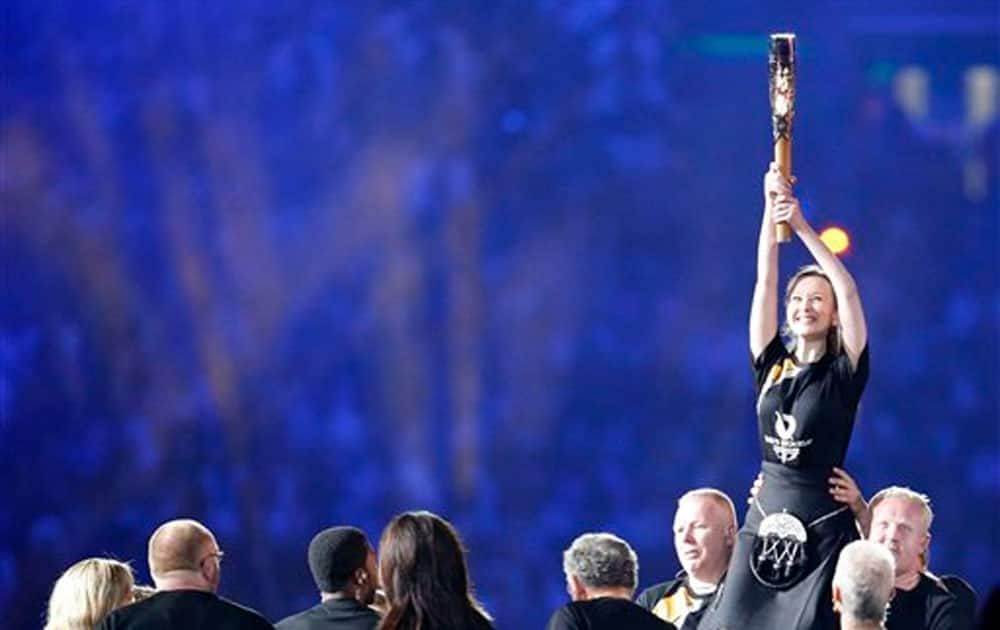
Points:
[783,158]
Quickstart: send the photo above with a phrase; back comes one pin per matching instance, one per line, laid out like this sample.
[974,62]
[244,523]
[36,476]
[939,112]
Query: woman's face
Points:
[810,309]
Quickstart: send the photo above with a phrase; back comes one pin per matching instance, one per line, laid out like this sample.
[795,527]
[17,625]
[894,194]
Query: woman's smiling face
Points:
[811,309]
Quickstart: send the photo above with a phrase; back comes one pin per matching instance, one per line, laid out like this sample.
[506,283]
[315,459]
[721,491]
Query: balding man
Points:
[862,585]
[704,534]
[185,562]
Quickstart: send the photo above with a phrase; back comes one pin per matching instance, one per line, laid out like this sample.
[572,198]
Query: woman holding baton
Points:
[807,397]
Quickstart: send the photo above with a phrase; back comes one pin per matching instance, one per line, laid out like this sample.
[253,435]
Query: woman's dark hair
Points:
[425,578]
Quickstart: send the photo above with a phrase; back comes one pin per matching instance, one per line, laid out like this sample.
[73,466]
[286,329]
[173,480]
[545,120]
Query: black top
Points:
[931,606]
[605,613]
[333,614]
[805,413]
[463,618]
[653,595]
[191,610]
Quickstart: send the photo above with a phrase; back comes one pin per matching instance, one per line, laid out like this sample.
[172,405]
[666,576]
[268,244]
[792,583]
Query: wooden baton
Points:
[781,80]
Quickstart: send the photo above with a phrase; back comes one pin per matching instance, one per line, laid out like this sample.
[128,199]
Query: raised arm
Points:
[764,307]
[853,330]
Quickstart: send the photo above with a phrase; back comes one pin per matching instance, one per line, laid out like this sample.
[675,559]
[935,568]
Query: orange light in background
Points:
[836,239]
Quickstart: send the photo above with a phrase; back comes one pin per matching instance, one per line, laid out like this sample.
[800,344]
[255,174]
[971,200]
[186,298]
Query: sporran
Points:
[779,550]
[779,556]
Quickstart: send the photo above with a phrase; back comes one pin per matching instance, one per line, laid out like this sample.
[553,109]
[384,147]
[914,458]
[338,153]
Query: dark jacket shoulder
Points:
[934,604]
[343,614]
[188,608]
[605,613]
[649,597]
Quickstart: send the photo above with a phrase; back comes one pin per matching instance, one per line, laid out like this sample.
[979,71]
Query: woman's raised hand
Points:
[776,184]
[782,203]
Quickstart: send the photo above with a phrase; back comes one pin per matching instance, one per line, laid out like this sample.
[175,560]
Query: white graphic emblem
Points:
[786,448]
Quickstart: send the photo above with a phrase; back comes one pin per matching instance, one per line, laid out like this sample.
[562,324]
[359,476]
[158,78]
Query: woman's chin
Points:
[811,334]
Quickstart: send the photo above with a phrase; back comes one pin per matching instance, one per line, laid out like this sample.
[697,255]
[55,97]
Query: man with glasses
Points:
[185,562]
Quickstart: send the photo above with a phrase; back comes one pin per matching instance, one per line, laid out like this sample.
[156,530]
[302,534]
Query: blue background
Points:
[278,266]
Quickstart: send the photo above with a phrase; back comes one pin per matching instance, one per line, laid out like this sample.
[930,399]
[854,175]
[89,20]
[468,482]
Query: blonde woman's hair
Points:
[87,591]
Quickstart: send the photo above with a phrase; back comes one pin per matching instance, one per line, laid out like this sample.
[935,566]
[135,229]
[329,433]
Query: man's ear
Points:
[925,552]
[577,589]
[837,601]
[360,575]
[210,571]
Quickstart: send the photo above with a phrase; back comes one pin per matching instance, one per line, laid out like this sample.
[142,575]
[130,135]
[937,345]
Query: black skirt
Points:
[744,602]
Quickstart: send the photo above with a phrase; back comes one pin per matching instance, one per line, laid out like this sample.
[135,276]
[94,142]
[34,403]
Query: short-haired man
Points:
[900,522]
[704,534]
[862,585]
[343,566]
[185,562]
[601,573]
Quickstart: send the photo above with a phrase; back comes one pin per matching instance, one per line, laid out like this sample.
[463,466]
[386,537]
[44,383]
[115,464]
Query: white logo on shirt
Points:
[786,448]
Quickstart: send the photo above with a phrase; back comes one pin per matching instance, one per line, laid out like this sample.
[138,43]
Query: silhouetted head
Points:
[184,554]
[342,561]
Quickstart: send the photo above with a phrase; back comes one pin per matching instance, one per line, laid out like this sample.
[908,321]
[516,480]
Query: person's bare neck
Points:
[182,581]
[326,597]
[907,581]
[809,351]
[706,578]
[848,623]
[619,592]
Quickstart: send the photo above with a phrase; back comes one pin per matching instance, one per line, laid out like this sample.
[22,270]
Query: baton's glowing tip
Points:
[836,239]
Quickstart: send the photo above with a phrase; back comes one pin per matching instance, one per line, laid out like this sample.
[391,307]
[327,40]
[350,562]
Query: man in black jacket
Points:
[704,534]
[343,566]
[185,562]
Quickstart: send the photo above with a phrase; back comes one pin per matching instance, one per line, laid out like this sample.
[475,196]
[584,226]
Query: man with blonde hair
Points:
[185,562]
[704,530]
[862,585]
[900,521]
